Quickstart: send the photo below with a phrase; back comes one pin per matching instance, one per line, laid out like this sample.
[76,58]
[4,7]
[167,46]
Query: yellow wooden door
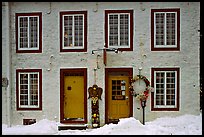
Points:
[118,97]
[74,97]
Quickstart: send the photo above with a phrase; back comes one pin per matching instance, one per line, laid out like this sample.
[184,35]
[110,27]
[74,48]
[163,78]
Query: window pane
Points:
[78,30]
[160,77]
[33,89]
[159,99]
[116,90]
[68,31]
[160,29]
[23,31]
[23,78]
[124,27]
[160,88]
[170,28]
[33,32]
[170,88]
[113,30]
[23,99]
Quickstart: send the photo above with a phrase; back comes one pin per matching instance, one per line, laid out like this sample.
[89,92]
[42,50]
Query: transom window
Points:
[165,29]
[28,32]
[28,89]
[166,88]
[118,27]
[73,31]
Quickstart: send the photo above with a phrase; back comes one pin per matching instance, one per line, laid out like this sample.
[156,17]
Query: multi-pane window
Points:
[73,30]
[28,32]
[118,30]
[166,89]
[28,89]
[118,27]
[118,89]
[165,29]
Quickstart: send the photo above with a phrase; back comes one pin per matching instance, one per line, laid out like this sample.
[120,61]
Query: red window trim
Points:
[40,88]
[131,28]
[85,31]
[40,32]
[177,10]
[178,89]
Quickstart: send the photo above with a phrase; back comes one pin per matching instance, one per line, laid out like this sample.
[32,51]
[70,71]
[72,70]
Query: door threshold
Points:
[114,121]
[72,127]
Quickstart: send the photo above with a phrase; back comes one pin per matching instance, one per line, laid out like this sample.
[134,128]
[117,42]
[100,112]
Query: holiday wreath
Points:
[142,96]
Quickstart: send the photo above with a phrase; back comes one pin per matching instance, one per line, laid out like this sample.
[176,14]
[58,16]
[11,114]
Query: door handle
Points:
[126,97]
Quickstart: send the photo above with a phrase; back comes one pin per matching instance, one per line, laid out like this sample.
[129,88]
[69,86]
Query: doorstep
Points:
[72,126]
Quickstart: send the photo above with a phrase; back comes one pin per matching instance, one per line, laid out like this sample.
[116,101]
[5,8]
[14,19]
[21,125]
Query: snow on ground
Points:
[181,125]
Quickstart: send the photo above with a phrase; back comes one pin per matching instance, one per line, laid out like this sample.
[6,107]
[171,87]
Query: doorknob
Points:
[126,97]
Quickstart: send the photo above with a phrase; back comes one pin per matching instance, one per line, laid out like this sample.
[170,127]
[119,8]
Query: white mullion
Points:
[19,32]
[28,32]
[155,29]
[28,89]
[129,29]
[83,30]
[175,88]
[118,29]
[176,29]
[165,31]
[165,88]
[63,31]
[19,89]
[38,89]
[108,31]
[73,40]
[38,32]
[155,89]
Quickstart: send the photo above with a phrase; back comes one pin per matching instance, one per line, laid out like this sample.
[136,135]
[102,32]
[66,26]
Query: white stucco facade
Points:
[187,58]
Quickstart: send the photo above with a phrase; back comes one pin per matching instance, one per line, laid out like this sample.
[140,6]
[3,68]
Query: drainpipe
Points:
[8,64]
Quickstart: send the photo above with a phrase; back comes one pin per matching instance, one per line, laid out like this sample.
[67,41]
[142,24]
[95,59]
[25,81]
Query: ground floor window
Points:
[166,89]
[29,89]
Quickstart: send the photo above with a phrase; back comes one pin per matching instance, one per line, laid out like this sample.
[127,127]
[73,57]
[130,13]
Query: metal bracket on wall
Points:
[4,82]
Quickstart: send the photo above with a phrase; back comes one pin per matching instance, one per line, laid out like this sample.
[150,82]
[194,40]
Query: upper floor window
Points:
[29,32]
[29,89]
[119,29]
[166,89]
[165,24]
[73,31]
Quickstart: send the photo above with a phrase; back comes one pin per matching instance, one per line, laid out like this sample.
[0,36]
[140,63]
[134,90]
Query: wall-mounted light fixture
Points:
[104,52]
[107,49]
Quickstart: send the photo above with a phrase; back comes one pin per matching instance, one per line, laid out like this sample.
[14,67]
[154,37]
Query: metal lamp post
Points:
[143,102]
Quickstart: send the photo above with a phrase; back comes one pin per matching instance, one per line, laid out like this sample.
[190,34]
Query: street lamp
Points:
[143,103]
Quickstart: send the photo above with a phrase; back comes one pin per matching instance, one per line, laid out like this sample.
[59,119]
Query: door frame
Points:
[107,71]
[62,74]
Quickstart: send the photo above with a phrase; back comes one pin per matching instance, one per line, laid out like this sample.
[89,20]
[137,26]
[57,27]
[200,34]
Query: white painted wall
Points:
[6,65]
[187,58]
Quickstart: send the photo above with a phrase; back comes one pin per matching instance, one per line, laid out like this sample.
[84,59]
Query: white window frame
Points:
[72,47]
[165,41]
[119,46]
[29,106]
[28,32]
[165,100]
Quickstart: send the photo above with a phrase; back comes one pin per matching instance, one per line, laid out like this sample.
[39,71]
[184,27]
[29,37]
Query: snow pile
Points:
[181,125]
[43,127]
